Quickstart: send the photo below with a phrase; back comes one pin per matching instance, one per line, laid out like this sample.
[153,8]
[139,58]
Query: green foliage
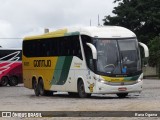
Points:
[154,59]
[143,18]
[154,47]
[140,16]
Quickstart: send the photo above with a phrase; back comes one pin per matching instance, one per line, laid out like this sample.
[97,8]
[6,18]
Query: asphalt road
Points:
[19,98]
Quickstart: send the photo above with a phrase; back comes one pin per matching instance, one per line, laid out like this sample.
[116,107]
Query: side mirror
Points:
[93,49]
[146,54]
[146,50]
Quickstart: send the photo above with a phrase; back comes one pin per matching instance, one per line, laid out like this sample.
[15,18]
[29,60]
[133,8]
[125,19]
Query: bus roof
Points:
[93,31]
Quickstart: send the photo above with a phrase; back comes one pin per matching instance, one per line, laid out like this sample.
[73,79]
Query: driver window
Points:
[89,58]
[107,55]
[88,52]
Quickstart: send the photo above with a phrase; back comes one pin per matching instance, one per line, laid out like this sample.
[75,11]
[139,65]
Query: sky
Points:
[20,18]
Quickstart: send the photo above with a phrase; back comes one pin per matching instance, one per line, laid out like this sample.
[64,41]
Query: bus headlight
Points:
[97,77]
[102,81]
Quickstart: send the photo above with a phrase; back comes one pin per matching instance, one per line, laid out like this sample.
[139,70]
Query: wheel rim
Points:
[4,81]
[14,80]
[36,88]
[34,85]
[82,89]
[41,89]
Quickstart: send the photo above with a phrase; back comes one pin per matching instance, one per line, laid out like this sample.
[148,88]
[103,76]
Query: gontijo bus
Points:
[83,61]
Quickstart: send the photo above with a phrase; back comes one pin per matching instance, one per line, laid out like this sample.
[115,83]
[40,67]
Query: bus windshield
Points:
[117,56]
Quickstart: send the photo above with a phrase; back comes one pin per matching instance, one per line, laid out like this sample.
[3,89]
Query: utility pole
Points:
[46,30]
[98,20]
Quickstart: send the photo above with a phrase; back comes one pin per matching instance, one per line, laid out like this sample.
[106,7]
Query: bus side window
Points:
[31,49]
[53,47]
[76,47]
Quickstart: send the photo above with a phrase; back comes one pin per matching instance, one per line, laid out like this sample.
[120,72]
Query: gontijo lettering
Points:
[42,63]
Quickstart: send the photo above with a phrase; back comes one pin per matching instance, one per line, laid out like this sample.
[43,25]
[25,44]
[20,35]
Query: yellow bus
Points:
[83,61]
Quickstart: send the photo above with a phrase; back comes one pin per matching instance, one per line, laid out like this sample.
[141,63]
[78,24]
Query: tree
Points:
[154,46]
[140,16]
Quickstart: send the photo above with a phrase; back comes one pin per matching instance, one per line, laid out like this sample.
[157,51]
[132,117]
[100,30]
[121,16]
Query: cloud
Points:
[20,18]
[5,30]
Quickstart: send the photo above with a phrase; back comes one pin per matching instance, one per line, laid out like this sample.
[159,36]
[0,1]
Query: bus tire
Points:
[36,88]
[44,92]
[41,87]
[4,81]
[81,90]
[122,95]
[13,81]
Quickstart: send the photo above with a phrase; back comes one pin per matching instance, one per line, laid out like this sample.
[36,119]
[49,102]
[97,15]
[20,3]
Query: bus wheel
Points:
[122,95]
[4,81]
[44,92]
[13,81]
[41,87]
[81,90]
[36,88]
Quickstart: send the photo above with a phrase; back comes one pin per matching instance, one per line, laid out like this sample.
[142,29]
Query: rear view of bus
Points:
[10,66]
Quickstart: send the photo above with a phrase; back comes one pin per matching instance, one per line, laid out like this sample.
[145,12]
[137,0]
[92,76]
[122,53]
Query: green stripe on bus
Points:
[58,70]
[132,78]
[61,70]
[135,77]
[65,70]
[71,33]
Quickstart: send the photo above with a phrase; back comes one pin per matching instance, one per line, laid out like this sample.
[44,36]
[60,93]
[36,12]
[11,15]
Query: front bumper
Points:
[112,89]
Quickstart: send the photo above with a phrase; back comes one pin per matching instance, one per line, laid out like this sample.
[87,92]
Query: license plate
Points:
[122,89]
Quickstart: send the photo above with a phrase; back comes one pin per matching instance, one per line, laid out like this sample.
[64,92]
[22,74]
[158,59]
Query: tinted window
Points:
[62,46]
[87,51]
[10,55]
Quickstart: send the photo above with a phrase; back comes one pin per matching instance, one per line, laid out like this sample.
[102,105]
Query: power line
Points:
[11,38]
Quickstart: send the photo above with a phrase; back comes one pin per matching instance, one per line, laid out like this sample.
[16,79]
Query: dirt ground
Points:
[19,98]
